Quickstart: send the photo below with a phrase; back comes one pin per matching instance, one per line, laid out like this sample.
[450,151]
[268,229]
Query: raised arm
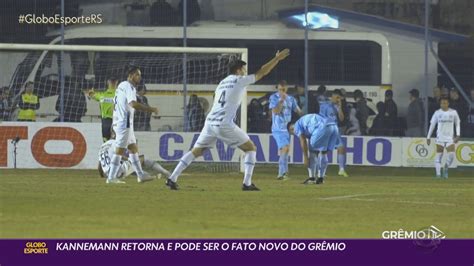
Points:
[270,65]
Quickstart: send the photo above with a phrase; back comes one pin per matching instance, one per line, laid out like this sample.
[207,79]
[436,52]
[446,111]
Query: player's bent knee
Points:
[285,149]
[198,151]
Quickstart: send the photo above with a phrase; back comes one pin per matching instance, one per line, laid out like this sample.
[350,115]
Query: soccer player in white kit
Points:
[446,119]
[125,103]
[220,120]
[107,151]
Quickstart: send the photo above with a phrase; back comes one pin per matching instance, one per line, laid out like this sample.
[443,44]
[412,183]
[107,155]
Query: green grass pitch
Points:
[78,204]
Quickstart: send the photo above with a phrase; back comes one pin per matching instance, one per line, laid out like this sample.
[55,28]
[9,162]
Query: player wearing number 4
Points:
[220,120]
[446,119]
[282,106]
[125,103]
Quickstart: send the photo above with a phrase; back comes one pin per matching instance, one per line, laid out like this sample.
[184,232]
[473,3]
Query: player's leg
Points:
[249,163]
[449,161]
[120,147]
[312,167]
[438,159]
[106,129]
[323,166]
[319,142]
[153,166]
[134,158]
[282,139]
[205,140]
[341,157]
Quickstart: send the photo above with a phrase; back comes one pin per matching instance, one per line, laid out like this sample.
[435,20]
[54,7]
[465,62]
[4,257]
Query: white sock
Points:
[114,166]
[450,159]
[310,172]
[136,165]
[185,161]
[249,161]
[438,158]
[313,164]
[156,167]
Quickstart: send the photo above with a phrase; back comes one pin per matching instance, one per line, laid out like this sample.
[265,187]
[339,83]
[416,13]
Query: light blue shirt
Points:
[307,124]
[281,120]
[329,111]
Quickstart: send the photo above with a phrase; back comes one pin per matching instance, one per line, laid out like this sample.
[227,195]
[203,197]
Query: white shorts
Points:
[232,136]
[444,142]
[124,137]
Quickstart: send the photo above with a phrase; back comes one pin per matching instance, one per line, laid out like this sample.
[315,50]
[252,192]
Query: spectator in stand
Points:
[470,118]
[300,97]
[321,94]
[433,102]
[379,125]
[193,11]
[75,106]
[391,112]
[29,103]
[5,104]
[362,111]
[163,14]
[196,116]
[345,124]
[457,103]
[415,116]
[141,120]
[353,127]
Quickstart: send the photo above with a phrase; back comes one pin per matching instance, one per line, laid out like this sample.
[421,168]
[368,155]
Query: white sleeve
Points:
[130,94]
[244,81]
[434,121]
[457,123]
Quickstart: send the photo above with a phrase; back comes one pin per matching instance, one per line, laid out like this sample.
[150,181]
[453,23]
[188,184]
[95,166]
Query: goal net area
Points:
[66,87]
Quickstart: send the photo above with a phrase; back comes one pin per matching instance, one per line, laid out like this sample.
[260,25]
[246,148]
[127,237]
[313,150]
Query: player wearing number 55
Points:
[220,120]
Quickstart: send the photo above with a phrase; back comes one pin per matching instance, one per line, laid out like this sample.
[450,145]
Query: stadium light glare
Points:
[317,20]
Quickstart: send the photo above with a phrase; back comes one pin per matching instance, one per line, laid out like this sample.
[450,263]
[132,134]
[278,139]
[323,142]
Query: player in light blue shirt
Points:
[323,136]
[282,106]
[332,110]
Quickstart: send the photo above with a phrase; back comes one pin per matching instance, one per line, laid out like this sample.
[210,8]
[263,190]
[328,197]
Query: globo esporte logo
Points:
[35,248]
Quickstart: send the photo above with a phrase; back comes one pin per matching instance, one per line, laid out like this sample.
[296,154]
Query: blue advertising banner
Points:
[235,252]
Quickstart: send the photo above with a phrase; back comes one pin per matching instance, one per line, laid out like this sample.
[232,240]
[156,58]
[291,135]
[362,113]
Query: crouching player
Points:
[317,136]
[151,168]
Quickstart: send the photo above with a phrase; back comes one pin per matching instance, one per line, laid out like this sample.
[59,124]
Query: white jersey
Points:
[227,98]
[446,120]
[123,112]
[105,155]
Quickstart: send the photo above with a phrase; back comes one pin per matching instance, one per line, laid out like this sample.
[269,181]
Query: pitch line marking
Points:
[349,196]
[409,202]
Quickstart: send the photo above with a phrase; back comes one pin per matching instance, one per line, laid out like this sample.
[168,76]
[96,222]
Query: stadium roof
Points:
[350,17]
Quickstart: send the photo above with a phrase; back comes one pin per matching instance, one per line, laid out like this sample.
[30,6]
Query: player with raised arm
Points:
[317,136]
[107,151]
[282,106]
[220,120]
[446,119]
[332,110]
[125,103]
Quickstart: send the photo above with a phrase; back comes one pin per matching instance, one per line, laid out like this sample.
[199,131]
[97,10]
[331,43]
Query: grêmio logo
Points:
[35,248]
[431,232]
